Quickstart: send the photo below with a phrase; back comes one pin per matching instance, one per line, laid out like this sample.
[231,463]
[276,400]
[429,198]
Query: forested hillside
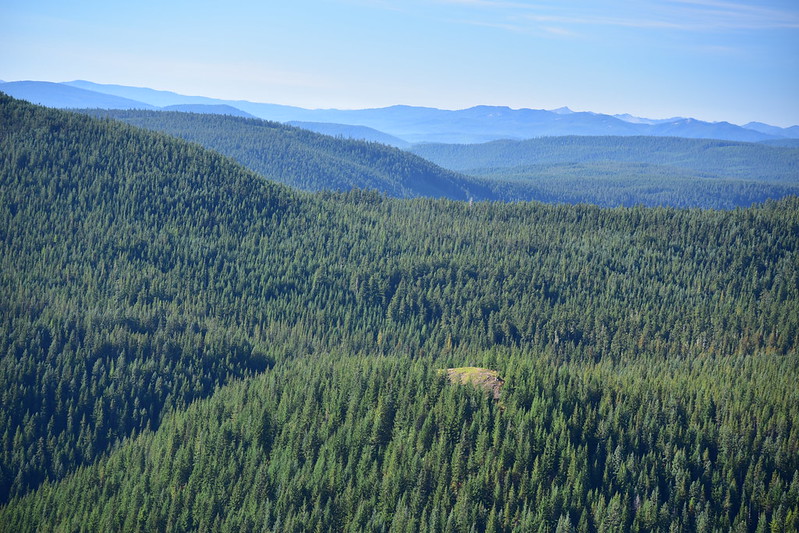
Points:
[186,345]
[308,160]
[613,184]
[351,132]
[606,171]
[614,171]
[723,159]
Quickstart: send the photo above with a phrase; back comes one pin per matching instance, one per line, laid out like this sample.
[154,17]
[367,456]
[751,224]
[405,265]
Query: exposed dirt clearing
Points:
[483,378]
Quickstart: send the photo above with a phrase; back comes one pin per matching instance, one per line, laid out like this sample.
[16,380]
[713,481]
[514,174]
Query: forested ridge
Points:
[602,170]
[186,345]
[308,160]
[728,159]
[625,171]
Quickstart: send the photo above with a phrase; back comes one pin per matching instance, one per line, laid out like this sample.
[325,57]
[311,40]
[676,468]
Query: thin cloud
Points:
[520,28]
[742,9]
[683,15]
[497,25]
[606,21]
[490,4]
[561,32]
[719,50]
[738,16]
[688,20]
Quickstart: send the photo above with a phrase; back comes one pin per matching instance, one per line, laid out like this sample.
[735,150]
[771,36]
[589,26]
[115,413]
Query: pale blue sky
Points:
[708,59]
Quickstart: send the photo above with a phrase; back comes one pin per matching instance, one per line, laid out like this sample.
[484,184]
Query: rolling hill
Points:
[727,159]
[308,160]
[606,171]
[360,133]
[186,345]
[612,171]
[208,109]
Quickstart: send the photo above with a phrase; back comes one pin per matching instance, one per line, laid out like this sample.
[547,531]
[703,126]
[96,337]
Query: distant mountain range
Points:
[791,133]
[359,133]
[397,125]
[601,170]
[66,96]
[208,109]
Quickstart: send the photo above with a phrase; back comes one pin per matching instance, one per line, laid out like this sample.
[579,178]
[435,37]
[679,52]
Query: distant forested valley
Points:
[612,171]
[607,171]
[189,345]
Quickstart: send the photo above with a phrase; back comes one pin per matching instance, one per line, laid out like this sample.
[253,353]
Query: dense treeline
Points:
[97,336]
[354,444]
[654,350]
[308,160]
[626,171]
[614,183]
[723,159]
[606,171]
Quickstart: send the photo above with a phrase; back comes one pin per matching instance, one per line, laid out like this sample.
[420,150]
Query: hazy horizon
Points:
[706,59]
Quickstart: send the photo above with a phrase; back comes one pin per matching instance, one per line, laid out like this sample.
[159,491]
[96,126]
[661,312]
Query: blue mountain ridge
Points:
[410,124]
[359,133]
[63,96]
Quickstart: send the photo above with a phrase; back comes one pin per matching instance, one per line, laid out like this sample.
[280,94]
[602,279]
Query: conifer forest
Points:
[188,344]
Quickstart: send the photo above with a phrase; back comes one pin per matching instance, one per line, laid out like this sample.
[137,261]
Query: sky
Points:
[712,60]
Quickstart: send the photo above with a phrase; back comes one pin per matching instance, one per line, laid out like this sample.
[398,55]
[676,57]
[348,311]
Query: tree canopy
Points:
[189,346]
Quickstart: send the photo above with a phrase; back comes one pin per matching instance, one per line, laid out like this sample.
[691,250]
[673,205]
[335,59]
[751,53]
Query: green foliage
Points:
[185,345]
[308,160]
[615,171]
[606,171]
[723,159]
[613,183]
[627,447]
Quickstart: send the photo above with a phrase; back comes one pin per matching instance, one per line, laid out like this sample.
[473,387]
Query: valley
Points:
[223,323]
